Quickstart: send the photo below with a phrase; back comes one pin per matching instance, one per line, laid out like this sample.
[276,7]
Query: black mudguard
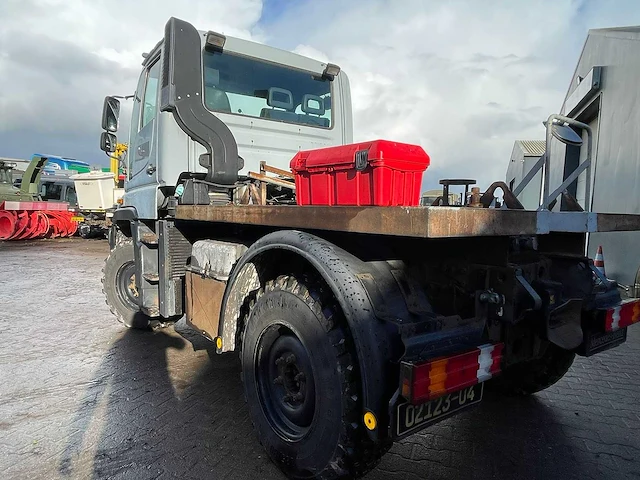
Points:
[122,219]
[340,270]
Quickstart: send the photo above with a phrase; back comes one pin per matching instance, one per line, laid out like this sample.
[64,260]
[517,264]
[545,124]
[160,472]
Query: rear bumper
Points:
[432,390]
[436,389]
[607,328]
[623,315]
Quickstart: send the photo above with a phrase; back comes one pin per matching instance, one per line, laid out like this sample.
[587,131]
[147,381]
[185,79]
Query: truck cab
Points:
[274,103]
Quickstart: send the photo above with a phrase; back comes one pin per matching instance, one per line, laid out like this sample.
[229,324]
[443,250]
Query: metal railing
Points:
[544,164]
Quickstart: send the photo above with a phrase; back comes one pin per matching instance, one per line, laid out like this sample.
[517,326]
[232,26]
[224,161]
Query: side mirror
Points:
[110,114]
[566,135]
[108,142]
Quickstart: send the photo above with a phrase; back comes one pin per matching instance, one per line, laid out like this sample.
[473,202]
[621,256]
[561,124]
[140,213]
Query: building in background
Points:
[431,196]
[604,93]
[523,157]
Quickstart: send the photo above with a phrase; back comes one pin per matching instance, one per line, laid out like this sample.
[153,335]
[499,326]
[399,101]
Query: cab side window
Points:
[70,196]
[135,118]
[150,101]
[145,105]
[51,191]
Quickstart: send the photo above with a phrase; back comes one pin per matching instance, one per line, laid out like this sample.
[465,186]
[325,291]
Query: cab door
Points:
[142,154]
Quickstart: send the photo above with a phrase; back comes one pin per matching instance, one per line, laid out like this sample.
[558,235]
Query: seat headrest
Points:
[313,104]
[217,100]
[211,77]
[280,98]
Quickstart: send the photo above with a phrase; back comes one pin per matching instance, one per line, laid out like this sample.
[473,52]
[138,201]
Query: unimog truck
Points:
[359,318]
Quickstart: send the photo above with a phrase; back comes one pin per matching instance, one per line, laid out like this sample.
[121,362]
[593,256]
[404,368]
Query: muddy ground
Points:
[81,397]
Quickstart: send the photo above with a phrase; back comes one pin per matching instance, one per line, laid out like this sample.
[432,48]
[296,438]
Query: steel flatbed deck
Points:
[420,222]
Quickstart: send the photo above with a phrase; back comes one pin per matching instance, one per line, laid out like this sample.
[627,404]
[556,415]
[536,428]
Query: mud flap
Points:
[564,326]
[596,342]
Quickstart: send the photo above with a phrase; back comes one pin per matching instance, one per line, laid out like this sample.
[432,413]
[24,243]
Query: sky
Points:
[463,79]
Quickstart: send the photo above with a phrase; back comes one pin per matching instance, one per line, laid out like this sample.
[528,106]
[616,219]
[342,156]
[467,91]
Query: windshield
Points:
[51,191]
[246,86]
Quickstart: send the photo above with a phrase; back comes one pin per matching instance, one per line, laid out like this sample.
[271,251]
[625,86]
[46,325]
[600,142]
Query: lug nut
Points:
[299,377]
[279,361]
[298,397]
[278,381]
[291,358]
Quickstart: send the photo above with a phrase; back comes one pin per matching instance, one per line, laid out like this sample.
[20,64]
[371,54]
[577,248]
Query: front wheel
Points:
[300,381]
[119,286]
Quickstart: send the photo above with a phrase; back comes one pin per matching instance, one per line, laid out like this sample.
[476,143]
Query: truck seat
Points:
[215,98]
[313,108]
[281,99]
[281,115]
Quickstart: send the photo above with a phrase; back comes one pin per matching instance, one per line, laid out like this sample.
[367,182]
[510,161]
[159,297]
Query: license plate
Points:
[599,342]
[410,418]
[77,219]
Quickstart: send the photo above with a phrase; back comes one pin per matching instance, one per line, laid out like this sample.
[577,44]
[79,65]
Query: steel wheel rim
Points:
[126,285]
[285,382]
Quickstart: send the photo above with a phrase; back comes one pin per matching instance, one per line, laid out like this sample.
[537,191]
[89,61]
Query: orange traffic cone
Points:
[598,262]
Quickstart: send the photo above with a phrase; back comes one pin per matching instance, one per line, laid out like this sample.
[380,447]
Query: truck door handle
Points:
[151,169]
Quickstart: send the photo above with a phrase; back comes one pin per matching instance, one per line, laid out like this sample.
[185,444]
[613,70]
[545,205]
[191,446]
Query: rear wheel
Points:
[119,286]
[535,375]
[300,381]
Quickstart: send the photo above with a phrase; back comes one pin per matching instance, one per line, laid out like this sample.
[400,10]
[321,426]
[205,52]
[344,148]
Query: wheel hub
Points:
[291,378]
[126,284]
[133,290]
[286,383]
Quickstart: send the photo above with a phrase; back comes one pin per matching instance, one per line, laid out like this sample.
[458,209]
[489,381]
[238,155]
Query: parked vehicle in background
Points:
[98,197]
[58,188]
[25,214]
[56,163]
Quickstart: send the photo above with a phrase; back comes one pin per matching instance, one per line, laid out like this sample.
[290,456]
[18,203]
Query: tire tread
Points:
[356,453]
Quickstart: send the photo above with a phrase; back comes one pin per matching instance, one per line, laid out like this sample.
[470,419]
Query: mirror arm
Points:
[546,198]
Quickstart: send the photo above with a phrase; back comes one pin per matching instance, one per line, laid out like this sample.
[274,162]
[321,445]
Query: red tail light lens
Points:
[425,381]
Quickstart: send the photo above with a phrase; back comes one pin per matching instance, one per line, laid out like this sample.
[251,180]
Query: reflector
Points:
[625,314]
[432,379]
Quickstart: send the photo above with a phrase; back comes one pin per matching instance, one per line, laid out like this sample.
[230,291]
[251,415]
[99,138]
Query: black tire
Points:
[84,232]
[535,375]
[301,384]
[116,276]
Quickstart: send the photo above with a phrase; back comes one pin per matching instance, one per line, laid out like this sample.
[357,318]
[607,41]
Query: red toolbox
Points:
[379,172]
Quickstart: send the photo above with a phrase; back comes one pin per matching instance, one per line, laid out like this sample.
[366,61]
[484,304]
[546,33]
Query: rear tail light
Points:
[625,314]
[432,379]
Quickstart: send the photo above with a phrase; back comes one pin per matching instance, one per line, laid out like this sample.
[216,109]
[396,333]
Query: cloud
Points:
[464,79]
[59,58]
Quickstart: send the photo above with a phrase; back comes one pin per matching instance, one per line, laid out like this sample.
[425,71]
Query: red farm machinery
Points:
[23,215]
